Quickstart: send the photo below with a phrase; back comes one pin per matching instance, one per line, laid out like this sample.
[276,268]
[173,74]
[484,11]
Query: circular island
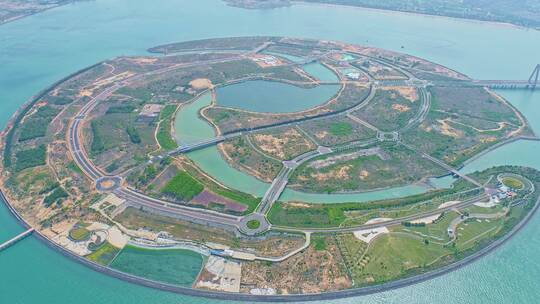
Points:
[150,168]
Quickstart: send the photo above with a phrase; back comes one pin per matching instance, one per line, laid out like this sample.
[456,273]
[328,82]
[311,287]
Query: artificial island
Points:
[226,156]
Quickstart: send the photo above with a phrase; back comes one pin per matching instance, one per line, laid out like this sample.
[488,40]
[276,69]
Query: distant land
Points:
[12,10]
[523,13]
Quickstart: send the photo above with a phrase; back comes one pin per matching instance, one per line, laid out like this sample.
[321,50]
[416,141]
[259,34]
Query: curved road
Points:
[209,217]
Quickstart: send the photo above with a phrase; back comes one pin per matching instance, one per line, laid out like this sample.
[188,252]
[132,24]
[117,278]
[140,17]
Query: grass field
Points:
[183,187]
[439,229]
[319,242]
[512,182]
[391,257]
[104,254]
[471,230]
[79,234]
[340,128]
[174,266]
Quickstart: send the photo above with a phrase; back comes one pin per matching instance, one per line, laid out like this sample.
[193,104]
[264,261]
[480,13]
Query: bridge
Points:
[282,179]
[532,83]
[15,239]
[444,165]
[274,191]
[199,145]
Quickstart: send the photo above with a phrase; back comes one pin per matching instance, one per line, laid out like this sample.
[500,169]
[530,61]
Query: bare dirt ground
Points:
[200,83]
[311,271]
[284,145]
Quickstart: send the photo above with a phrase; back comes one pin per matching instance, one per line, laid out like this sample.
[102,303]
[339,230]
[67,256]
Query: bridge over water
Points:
[532,83]
[15,239]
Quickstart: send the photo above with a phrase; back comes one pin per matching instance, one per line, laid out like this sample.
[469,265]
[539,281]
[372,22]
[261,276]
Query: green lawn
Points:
[392,256]
[104,254]
[472,230]
[183,186]
[439,229]
[253,224]
[512,182]
[340,129]
[79,234]
[174,266]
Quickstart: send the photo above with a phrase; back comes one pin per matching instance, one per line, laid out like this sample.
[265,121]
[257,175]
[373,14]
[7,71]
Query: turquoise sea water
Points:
[38,50]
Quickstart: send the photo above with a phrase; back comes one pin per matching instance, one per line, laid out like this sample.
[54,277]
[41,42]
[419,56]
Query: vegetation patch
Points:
[173,266]
[97,145]
[319,243]
[183,187]
[340,129]
[55,196]
[253,224]
[512,182]
[133,134]
[164,136]
[104,254]
[30,158]
[33,128]
[79,234]
[332,215]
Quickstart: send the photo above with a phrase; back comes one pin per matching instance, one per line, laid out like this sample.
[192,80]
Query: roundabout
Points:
[108,183]
[254,224]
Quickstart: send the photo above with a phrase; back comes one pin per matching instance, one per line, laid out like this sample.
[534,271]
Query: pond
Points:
[273,97]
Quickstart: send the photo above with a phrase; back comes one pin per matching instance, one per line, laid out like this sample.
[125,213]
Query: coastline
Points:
[248,297]
[408,281]
[399,12]
[35,13]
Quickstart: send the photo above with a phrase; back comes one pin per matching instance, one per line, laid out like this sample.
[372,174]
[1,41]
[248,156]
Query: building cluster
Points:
[149,112]
[266,60]
[500,193]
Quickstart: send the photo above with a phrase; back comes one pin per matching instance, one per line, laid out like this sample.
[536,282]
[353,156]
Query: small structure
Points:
[149,112]
[353,75]
[366,235]
[450,232]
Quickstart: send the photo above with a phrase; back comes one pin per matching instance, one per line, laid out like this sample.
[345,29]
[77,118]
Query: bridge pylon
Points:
[535,76]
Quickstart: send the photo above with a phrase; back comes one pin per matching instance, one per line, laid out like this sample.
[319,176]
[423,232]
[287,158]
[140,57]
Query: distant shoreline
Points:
[386,11]
[300,2]
[36,12]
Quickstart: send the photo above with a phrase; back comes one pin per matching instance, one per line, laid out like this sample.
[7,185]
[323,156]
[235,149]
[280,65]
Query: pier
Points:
[15,239]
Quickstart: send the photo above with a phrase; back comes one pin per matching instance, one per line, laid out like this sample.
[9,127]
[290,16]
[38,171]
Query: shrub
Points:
[133,134]
[30,158]
[55,196]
